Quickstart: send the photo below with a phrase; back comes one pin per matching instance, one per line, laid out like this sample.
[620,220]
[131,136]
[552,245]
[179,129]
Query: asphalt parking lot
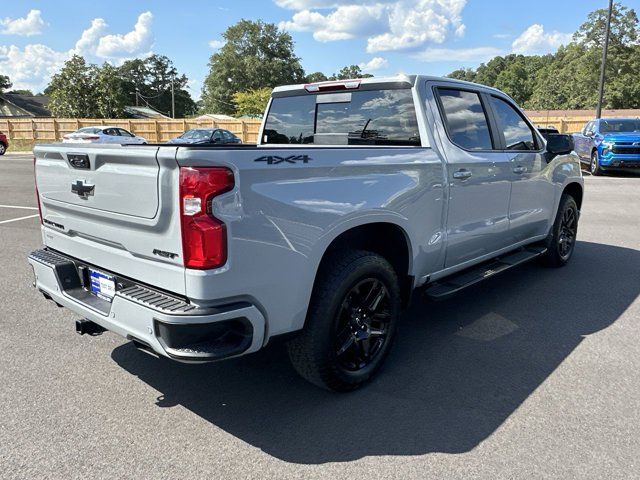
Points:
[534,374]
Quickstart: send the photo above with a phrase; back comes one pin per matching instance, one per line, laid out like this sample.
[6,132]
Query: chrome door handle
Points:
[462,174]
[519,169]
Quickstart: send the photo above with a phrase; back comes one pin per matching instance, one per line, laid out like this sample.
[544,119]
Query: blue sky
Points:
[383,36]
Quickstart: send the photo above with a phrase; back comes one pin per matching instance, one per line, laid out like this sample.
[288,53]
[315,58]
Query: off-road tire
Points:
[313,353]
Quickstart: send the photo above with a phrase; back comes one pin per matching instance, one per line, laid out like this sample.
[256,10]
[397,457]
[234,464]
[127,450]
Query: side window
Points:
[124,133]
[518,135]
[591,128]
[465,119]
[217,136]
[112,132]
[228,136]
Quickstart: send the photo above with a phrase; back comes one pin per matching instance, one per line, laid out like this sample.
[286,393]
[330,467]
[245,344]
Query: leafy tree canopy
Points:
[5,83]
[252,102]
[91,91]
[568,79]
[255,55]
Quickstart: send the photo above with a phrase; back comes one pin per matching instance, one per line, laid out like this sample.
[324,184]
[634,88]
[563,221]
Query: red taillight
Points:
[37,193]
[204,237]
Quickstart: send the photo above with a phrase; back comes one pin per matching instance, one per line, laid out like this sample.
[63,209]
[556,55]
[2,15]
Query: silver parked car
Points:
[357,193]
[106,134]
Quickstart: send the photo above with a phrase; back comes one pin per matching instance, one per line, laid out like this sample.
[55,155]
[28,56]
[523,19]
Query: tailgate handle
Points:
[79,160]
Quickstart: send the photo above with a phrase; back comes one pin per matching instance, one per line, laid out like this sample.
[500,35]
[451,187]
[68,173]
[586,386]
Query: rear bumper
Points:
[169,325]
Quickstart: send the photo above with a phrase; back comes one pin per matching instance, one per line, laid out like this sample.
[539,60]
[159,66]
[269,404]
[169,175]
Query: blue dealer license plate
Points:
[102,285]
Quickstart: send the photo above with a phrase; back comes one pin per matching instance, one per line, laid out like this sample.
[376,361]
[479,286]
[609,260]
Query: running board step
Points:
[450,285]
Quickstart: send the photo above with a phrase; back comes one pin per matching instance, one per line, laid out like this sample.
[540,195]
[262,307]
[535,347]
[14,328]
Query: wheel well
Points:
[575,190]
[385,239]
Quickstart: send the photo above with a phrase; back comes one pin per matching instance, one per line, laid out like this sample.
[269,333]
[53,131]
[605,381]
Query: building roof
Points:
[215,116]
[17,105]
[142,112]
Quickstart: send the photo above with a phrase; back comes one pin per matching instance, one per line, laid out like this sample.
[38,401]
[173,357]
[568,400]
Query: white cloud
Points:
[30,25]
[414,24]
[136,42]
[476,55]
[376,63]
[386,24]
[217,44]
[88,42]
[31,67]
[315,4]
[534,40]
[343,23]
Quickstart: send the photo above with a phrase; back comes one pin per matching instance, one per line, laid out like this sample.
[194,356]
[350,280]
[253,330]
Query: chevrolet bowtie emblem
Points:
[82,189]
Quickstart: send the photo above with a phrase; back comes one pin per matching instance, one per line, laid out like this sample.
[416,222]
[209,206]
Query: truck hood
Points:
[630,137]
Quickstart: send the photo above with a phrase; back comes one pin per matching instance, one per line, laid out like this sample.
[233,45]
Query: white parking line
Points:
[19,207]
[19,218]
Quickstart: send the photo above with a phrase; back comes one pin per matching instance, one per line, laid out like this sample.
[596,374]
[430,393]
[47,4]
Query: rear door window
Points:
[465,119]
[368,117]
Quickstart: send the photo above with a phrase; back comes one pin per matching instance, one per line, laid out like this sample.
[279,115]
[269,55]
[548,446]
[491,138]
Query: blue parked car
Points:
[609,144]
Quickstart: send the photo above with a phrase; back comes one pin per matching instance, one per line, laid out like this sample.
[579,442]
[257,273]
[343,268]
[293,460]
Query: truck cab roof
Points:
[396,81]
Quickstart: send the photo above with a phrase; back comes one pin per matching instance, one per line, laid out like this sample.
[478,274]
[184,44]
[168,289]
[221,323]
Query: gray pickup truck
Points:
[358,193]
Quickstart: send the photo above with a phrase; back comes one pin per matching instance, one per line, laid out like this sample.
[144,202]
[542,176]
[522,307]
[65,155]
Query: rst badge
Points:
[274,159]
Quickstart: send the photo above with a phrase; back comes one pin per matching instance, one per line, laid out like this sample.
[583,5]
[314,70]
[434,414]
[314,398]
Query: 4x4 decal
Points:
[274,159]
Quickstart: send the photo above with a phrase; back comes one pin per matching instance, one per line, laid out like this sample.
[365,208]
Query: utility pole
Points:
[604,61]
[136,96]
[173,98]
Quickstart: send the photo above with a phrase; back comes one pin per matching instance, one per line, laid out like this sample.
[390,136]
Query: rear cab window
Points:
[366,117]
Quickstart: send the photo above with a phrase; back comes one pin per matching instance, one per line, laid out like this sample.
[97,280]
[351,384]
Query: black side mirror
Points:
[559,144]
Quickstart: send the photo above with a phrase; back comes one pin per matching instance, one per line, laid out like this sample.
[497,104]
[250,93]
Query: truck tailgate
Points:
[114,207]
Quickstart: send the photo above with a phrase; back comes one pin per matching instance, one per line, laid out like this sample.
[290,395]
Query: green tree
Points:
[255,55]
[21,91]
[466,74]
[5,83]
[151,78]
[568,79]
[624,28]
[348,72]
[315,77]
[251,102]
[71,90]
[108,90]
[571,79]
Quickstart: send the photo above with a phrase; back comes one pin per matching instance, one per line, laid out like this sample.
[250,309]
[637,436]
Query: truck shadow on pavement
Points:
[459,368]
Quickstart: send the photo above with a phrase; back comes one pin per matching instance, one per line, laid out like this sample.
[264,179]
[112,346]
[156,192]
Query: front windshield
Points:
[614,126]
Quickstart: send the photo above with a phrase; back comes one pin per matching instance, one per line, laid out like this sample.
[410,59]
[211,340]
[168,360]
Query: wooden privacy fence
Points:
[41,130]
[563,124]
[38,130]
